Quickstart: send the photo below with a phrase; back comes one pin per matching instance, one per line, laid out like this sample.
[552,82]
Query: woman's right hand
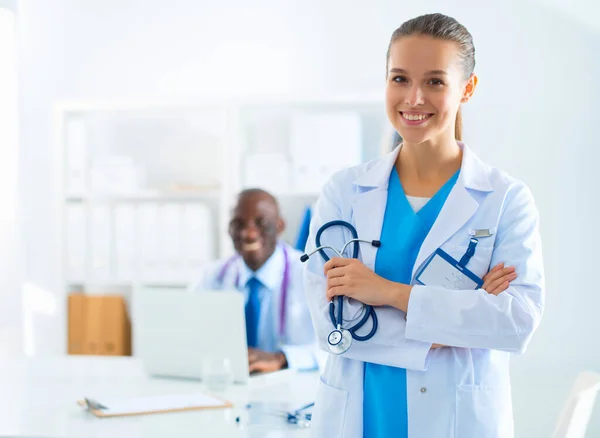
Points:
[498,279]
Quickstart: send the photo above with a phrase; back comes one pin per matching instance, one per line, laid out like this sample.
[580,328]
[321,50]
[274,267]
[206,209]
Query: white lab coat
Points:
[458,392]
[298,341]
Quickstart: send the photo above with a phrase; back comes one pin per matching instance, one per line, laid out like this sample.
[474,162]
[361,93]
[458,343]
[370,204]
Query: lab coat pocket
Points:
[329,412]
[483,411]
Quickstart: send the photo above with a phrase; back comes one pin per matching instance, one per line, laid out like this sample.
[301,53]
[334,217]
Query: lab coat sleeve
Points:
[300,347]
[476,319]
[389,346]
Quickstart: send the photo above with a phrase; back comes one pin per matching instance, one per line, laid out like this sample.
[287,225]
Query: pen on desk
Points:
[92,404]
[310,405]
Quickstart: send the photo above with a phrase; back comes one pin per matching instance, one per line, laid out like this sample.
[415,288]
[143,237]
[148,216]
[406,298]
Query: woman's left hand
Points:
[351,278]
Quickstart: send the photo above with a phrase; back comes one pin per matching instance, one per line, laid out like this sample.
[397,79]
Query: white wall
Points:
[534,115]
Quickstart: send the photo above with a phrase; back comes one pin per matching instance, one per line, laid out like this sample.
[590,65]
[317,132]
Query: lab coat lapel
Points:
[370,202]
[457,210]
[369,210]
[460,205]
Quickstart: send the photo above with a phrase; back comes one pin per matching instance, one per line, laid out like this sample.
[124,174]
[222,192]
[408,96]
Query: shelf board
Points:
[219,101]
[170,196]
[164,284]
[145,196]
[123,283]
[293,194]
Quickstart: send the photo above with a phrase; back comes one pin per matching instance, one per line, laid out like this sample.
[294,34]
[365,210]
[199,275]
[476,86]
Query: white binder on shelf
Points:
[100,239]
[125,243]
[267,170]
[148,242]
[76,151]
[199,246]
[76,248]
[170,236]
[320,145]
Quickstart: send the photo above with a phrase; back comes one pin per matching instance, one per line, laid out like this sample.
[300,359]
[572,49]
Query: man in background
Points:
[269,273]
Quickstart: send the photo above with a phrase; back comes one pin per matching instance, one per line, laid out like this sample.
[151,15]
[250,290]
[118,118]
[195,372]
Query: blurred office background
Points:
[136,122]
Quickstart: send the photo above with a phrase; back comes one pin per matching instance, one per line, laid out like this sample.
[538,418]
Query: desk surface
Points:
[38,399]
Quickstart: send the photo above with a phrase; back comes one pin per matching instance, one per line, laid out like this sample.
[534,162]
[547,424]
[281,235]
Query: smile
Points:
[254,246]
[415,118]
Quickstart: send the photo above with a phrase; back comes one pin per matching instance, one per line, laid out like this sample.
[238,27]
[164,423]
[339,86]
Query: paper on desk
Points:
[160,403]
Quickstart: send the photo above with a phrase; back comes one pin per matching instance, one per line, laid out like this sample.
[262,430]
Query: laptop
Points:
[175,331]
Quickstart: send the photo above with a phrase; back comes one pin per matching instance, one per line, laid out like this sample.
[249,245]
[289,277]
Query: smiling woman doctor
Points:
[438,364]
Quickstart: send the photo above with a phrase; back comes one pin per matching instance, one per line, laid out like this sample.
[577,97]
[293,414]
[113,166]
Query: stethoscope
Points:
[297,417]
[285,285]
[340,339]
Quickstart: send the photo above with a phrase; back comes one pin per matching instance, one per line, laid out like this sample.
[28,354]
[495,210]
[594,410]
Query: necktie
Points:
[253,312]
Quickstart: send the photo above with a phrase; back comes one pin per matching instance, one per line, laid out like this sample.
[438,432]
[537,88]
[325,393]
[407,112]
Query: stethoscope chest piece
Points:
[339,341]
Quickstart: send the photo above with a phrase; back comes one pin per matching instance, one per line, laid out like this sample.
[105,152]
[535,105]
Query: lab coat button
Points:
[423,390]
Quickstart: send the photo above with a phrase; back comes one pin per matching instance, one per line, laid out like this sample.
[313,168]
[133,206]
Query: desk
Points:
[38,399]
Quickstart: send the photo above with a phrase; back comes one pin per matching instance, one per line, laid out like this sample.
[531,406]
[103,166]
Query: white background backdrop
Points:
[534,115]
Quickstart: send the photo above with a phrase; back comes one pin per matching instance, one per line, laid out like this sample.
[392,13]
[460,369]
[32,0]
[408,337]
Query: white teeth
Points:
[252,246]
[415,116]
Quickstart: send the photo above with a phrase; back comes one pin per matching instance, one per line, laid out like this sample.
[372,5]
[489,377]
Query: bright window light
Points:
[10,300]
[8,103]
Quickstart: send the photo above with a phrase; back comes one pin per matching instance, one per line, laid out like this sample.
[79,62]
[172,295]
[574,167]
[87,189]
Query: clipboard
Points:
[158,404]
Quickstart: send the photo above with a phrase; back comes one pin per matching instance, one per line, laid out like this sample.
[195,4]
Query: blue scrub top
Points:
[385,405]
